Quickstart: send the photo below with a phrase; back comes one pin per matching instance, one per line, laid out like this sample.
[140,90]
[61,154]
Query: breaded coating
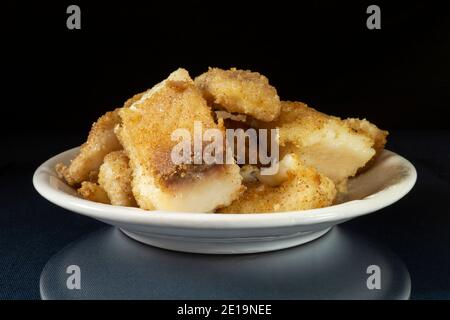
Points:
[323,142]
[101,141]
[145,132]
[127,159]
[93,192]
[240,91]
[115,178]
[133,99]
[295,187]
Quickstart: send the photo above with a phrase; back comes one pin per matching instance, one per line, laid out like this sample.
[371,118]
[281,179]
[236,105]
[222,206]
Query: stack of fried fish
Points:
[126,160]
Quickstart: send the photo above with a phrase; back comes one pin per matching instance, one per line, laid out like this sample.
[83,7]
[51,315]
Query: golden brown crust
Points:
[101,141]
[146,134]
[320,152]
[93,192]
[240,91]
[115,178]
[150,124]
[133,99]
[303,188]
[296,120]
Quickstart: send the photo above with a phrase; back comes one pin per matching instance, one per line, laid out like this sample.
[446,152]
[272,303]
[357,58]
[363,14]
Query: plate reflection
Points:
[335,266]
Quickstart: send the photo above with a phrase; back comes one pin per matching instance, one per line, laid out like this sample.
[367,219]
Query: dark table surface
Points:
[417,228]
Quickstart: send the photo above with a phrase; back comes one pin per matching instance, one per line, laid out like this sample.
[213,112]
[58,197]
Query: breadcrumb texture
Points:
[101,141]
[115,178]
[93,192]
[126,159]
[295,187]
[146,134]
[133,99]
[240,91]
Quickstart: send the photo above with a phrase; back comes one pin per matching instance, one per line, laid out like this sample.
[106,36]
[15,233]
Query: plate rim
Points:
[128,215]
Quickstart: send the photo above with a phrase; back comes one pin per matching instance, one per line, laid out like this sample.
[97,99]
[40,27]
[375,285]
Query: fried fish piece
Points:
[240,91]
[294,187]
[93,192]
[146,135]
[115,178]
[323,142]
[101,141]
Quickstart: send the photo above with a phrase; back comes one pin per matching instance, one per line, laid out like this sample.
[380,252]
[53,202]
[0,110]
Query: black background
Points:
[58,81]
[314,51]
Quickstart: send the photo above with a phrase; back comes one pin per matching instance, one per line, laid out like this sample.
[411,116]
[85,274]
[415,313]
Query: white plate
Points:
[391,177]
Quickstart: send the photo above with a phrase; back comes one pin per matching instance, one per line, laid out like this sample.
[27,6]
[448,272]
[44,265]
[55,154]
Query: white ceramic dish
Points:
[391,177]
